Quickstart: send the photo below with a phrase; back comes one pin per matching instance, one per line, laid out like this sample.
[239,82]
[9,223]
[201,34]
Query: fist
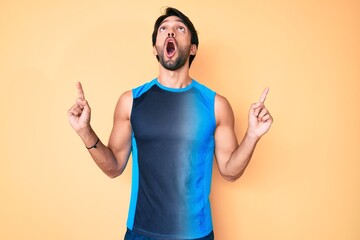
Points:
[260,119]
[80,113]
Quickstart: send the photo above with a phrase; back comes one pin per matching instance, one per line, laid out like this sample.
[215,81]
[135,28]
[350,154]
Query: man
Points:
[174,126]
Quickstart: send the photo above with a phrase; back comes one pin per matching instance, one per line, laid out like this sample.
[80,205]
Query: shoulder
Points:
[204,88]
[124,104]
[126,96]
[125,101]
[221,103]
[223,110]
[138,91]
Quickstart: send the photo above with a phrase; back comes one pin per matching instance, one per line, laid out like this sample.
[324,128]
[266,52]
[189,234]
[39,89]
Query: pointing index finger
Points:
[263,95]
[80,90]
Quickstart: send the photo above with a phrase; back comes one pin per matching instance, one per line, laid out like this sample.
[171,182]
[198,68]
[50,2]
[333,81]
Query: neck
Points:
[179,78]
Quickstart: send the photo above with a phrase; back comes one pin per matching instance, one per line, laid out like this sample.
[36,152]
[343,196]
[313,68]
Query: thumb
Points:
[86,105]
[255,110]
[83,104]
[255,107]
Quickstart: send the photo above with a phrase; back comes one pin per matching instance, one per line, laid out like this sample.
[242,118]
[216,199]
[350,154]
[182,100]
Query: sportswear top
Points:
[172,153]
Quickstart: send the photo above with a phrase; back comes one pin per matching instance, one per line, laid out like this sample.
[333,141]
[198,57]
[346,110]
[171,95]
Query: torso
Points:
[172,151]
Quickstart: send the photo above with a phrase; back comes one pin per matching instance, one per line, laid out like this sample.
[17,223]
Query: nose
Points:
[171,34]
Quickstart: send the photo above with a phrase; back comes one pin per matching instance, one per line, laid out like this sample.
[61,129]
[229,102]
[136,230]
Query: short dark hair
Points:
[174,12]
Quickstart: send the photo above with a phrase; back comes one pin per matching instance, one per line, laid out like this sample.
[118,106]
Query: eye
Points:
[162,29]
[181,29]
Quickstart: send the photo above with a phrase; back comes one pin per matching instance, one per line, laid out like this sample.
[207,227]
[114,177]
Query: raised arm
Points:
[232,158]
[111,159]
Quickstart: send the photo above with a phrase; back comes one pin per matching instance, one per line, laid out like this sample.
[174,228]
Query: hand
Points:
[80,113]
[260,119]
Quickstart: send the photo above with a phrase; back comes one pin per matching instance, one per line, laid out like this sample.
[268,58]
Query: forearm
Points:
[101,154]
[241,157]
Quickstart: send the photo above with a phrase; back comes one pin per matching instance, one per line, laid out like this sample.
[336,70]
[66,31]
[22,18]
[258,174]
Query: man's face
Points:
[173,43]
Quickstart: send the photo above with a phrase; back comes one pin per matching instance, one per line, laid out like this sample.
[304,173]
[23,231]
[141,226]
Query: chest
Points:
[168,116]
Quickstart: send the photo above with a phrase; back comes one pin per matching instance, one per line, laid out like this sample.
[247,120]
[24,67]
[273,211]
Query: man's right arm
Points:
[111,159]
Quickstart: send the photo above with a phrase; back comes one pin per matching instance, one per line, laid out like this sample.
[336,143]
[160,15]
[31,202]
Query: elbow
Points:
[232,177]
[112,170]
[113,173]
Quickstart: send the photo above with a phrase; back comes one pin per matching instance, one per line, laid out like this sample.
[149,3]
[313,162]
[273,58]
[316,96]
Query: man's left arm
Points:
[232,158]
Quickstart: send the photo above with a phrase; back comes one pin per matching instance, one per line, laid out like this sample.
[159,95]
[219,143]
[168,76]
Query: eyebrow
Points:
[176,20]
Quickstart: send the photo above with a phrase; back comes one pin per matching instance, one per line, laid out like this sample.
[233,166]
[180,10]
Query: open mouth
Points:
[170,48]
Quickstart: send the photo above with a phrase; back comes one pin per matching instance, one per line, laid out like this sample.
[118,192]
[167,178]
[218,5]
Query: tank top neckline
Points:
[175,89]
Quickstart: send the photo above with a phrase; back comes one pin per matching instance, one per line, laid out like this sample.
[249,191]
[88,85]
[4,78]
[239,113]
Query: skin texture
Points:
[232,157]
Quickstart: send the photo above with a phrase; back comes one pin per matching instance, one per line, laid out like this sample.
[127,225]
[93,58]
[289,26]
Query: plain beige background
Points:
[303,181]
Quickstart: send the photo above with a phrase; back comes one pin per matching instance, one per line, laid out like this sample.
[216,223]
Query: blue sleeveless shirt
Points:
[172,152]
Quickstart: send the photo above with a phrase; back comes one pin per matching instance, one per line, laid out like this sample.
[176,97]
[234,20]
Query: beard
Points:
[173,64]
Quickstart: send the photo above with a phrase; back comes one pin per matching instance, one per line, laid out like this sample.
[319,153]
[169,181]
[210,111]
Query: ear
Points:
[155,51]
[193,49]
